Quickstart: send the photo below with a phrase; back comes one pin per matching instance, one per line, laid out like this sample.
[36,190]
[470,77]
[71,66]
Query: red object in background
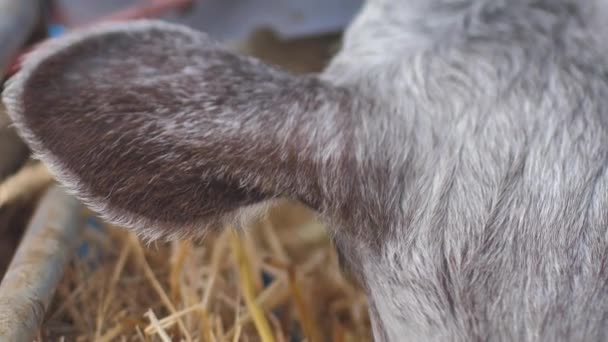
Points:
[149,9]
[152,9]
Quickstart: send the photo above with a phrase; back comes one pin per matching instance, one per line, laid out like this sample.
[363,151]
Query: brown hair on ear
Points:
[158,128]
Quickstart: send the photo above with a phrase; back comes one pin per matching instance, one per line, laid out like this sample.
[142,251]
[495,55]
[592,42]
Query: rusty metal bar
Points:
[37,267]
[18,19]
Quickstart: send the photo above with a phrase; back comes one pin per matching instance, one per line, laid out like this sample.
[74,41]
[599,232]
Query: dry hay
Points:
[279,279]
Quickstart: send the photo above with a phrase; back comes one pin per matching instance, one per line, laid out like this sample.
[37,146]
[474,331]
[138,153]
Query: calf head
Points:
[421,146]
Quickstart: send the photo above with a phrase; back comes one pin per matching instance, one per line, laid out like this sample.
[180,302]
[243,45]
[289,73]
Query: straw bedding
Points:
[117,289]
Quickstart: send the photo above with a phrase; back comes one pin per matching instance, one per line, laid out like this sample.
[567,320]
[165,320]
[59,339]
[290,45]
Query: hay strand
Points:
[157,327]
[139,252]
[247,285]
[28,181]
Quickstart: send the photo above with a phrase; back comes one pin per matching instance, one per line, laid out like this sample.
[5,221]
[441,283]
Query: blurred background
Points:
[235,19]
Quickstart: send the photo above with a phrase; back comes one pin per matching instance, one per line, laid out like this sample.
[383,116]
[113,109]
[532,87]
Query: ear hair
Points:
[158,128]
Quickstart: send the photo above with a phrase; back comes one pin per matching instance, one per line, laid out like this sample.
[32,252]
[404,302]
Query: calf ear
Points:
[158,128]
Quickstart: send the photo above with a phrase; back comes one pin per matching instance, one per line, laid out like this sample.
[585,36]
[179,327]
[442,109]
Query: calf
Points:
[457,149]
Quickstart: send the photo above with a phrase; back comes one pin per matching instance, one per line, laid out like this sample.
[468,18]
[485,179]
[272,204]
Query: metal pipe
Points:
[18,19]
[37,267]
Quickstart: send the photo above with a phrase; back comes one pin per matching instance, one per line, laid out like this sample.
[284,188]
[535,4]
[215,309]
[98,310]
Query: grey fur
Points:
[458,149]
